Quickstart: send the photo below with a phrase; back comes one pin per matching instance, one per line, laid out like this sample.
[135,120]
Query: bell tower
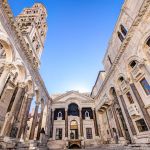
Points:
[32,23]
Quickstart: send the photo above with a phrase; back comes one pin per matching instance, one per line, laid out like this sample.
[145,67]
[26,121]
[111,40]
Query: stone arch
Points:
[7,47]
[134,57]
[74,127]
[74,146]
[21,70]
[73,100]
[130,60]
[120,78]
[143,50]
[73,109]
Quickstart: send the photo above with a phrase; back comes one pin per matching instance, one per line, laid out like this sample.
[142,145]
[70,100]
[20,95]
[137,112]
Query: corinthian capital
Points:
[8,66]
[21,84]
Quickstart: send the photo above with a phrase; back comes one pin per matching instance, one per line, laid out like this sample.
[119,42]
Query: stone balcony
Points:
[133,110]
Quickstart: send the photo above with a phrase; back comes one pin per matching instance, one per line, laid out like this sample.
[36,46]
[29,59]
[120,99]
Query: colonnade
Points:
[127,106]
[16,105]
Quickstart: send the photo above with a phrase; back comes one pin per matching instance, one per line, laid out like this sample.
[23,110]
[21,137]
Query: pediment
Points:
[72,95]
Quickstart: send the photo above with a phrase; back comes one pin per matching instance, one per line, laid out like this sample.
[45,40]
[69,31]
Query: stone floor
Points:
[115,148]
[108,147]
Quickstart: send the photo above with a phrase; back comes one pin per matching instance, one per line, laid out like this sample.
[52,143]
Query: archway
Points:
[74,129]
[74,146]
[6,51]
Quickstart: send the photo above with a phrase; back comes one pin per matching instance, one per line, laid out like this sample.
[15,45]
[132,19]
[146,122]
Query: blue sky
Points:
[77,38]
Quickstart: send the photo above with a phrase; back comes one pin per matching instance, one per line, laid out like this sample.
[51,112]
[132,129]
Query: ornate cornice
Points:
[13,30]
[126,41]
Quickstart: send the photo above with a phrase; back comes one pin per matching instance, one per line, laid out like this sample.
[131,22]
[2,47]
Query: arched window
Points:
[148,42]
[59,114]
[133,63]
[73,109]
[87,114]
[120,36]
[121,79]
[123,30]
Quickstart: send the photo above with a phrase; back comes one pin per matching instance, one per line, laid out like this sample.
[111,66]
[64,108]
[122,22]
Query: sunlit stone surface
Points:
[115,115]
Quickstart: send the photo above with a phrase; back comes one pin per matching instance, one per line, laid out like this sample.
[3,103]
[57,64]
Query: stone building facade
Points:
[21,45]
[73,121]
[121,92]
[116,111]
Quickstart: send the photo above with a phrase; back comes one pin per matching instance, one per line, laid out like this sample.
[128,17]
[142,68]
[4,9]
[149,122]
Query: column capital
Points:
[8,66]
[21,84]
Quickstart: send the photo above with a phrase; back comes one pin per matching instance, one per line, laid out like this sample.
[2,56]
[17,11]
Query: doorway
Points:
[74,130]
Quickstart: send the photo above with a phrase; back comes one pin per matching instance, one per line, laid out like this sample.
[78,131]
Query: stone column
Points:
[52,122]
[16,108]
[117,121]
[40,124]
[141,104]
[11,115]
[95,123]
[66,123]
[34,121]
[81,124]
[130,122]
[5,88]
[109,124]
[24,115]
[98,123]
[4,76]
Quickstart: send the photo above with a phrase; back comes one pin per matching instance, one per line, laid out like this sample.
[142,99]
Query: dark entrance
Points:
[74,146]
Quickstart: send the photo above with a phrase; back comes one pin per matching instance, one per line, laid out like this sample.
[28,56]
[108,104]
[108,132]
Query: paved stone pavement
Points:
[117,148]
